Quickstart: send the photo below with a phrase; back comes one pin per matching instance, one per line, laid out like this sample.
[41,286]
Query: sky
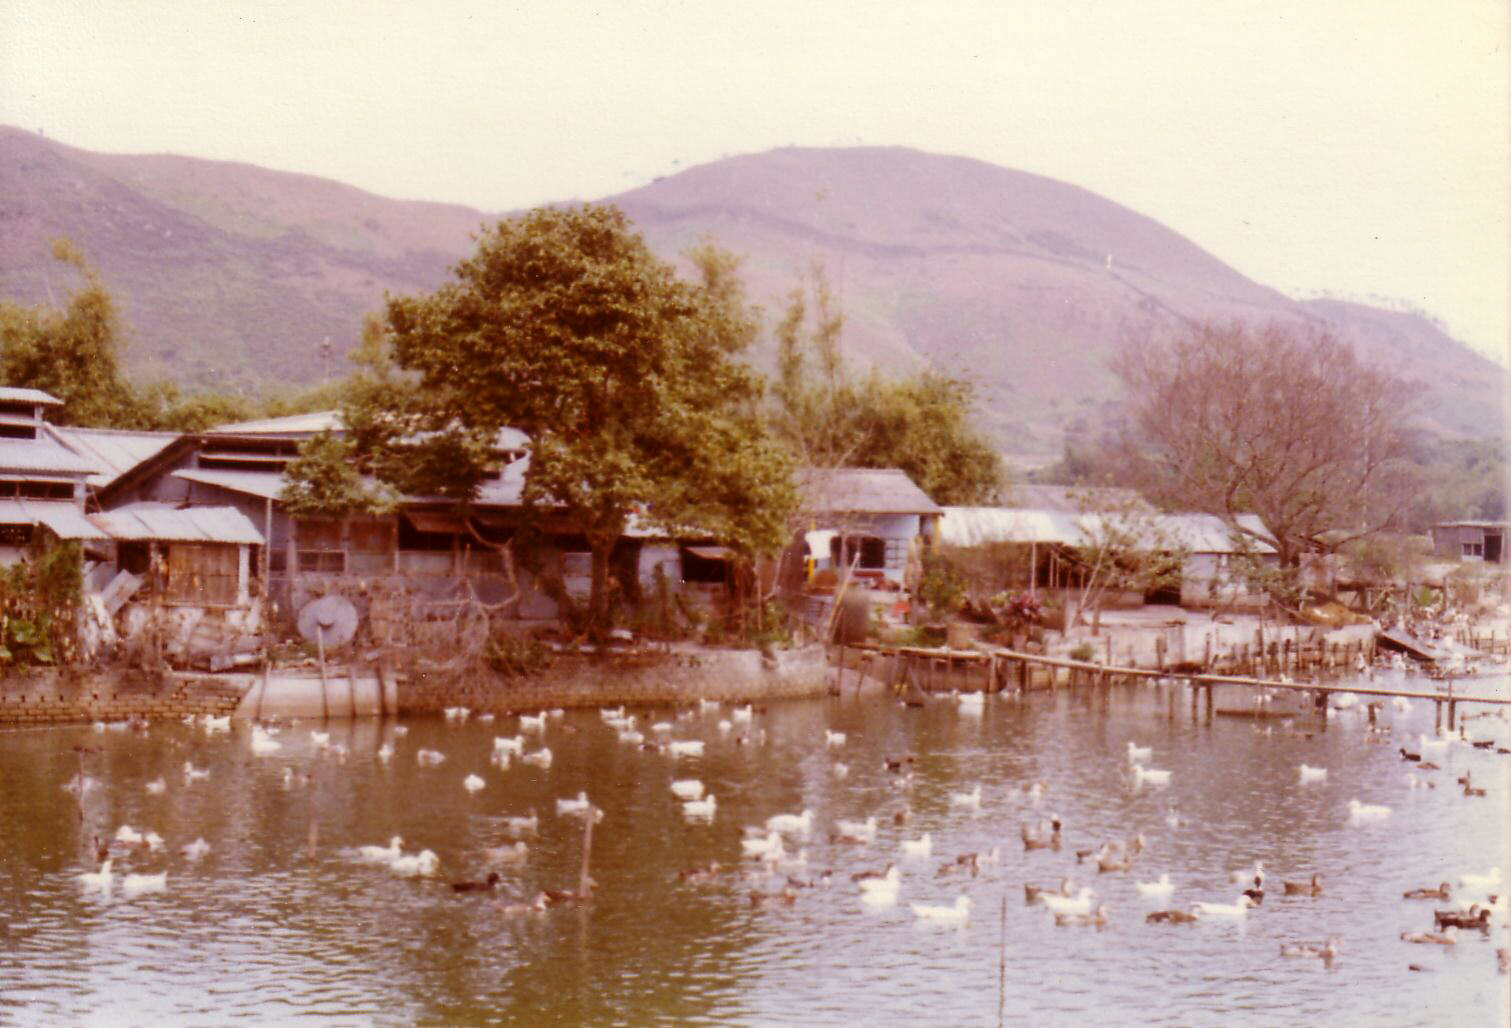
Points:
[1353,148]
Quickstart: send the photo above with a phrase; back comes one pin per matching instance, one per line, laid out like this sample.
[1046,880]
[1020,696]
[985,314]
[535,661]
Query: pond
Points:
[281,919]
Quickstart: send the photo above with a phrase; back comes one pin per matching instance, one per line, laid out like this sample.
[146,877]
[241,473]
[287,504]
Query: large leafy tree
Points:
[1282,421]
[625,378]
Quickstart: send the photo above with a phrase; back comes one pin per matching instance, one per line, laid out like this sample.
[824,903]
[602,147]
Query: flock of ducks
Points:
[775,851]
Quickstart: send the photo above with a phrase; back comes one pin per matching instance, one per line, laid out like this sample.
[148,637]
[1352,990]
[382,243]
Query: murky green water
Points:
[279,922]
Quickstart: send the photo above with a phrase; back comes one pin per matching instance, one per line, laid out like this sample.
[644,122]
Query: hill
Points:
[232,274]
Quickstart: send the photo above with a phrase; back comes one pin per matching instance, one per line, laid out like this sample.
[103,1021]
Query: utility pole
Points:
[325,360]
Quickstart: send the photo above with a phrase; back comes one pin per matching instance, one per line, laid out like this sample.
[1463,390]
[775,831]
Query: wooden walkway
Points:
[999,667]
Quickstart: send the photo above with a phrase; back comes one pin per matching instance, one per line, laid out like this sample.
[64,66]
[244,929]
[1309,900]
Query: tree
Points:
[1125,547]
[1281,421]
[72,352]
[625,378]
[828,418]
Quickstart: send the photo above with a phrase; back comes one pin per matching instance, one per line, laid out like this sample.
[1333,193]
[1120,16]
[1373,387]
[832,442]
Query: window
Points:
[15,535]
[203,573]
[872,550]
[1474,549]
[371,546]
[318,543]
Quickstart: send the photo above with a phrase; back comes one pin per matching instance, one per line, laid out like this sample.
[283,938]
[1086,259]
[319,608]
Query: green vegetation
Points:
[830,418]
[74,353]
[38,601]
[626,379]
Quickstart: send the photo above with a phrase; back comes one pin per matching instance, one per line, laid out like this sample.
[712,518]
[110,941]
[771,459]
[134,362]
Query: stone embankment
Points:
[60,697]
[571,681]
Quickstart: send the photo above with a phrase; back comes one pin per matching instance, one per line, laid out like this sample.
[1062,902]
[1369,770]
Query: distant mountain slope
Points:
[226,273]
[233,274]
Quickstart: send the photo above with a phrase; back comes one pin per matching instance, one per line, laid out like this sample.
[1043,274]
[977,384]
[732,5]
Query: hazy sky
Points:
[1352,146]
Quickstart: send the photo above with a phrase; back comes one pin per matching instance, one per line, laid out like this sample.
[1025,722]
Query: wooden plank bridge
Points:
[1000,668]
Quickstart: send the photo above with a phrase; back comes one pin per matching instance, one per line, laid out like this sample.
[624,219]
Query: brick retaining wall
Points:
[62,697]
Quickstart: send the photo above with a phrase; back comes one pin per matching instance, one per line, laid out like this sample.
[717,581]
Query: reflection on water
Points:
[280,920]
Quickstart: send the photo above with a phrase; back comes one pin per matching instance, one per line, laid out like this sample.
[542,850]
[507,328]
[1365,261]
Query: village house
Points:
[42,484]
[1047,524]
[1471,540]
[863,528]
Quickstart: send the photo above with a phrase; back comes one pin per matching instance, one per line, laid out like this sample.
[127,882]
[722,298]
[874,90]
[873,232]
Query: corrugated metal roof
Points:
[168,524]
[267,485]
[863,491]
[17,394]
[972,526]
[1066,499]
[294,424]
[65,520]
[1207,533]
[42,455]
[113,451]
[330,421]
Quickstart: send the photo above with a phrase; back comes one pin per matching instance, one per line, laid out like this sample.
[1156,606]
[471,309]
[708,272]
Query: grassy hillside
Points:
[231,275]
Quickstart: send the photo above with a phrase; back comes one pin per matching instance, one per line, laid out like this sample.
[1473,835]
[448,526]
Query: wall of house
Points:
[1206,582]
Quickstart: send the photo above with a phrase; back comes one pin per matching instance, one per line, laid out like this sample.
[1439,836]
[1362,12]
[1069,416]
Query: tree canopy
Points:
[830,418]
[564,324]
[1281,421]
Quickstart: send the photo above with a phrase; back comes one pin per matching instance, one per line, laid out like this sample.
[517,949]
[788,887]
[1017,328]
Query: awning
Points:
[441,524]
[712,552]
[820,543]
[148,522]
[64,519]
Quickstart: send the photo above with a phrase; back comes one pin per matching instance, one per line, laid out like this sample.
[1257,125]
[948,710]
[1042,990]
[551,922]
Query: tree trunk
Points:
[599,611]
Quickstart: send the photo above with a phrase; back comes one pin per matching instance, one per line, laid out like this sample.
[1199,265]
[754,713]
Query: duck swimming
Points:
[1096,919]
[1171,917]
[1236,909]
[1156,890]
[135,885]
[486,885]
[1312,888]
[1327,951]
[1440,893]
[958,913]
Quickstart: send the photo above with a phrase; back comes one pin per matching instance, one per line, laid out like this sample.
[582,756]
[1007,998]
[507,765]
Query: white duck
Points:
[472,783]
[967,800]
[195,774]
[514,854]
[381,854]
[1359,813]
[424,862]
[971,702]
[768,846]
[685,747]
[791,824]
[1311,774]
[1238,909]
[858,829]
[1080,903]
[98,880]
[570,805]
[687,789]
[700,808]
[920,847]
[541,758]
[130,836]
[832,739]
[429,758]
[1161,889]
[136,884]
[1481,883]
[1153,776]
[536,724]
[515,745]
[520,825]
[156,787]
[1137,753]
[195,850]
[957,913]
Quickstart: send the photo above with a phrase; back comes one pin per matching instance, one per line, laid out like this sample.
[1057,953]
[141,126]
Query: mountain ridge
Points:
[232,275]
